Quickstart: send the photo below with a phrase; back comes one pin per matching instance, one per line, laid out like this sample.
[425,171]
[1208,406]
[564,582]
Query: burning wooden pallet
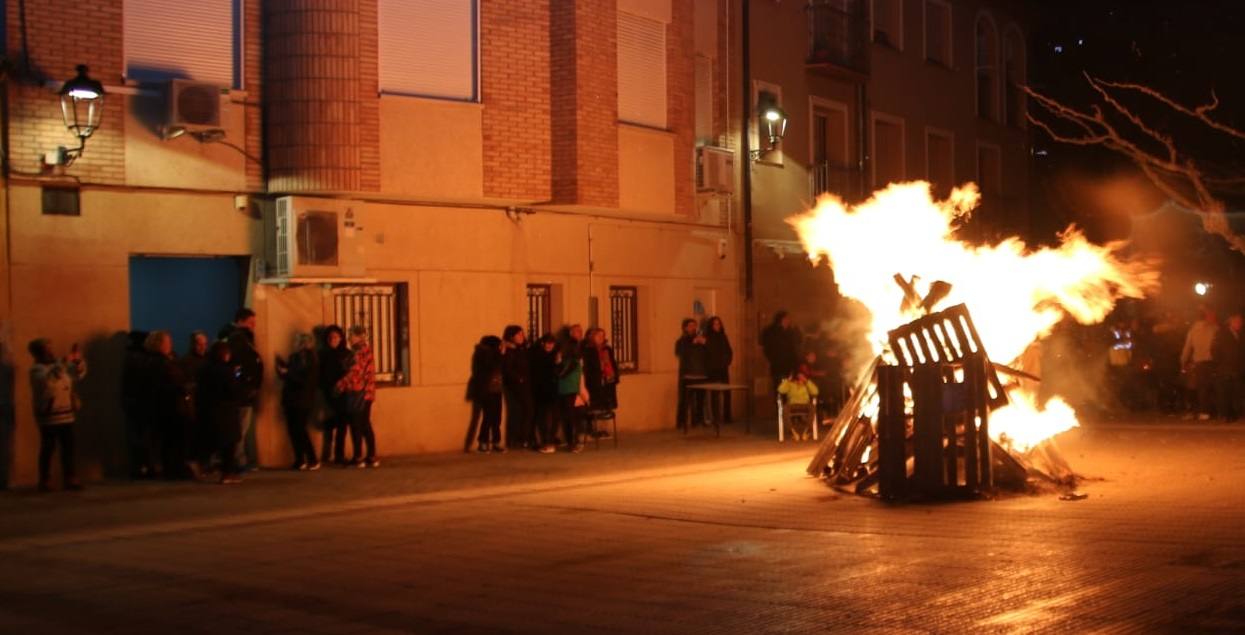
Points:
[920,428]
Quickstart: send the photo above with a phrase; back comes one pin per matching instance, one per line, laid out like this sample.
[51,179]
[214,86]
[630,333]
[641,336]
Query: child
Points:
[54,391]
[798,411]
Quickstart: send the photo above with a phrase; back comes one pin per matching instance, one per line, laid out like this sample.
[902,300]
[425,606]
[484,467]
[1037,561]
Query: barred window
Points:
[624,327]
[539,310]
[381,308]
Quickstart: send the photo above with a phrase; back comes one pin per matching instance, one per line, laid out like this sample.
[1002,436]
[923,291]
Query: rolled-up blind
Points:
[428,48]
[641,70]
[183,40]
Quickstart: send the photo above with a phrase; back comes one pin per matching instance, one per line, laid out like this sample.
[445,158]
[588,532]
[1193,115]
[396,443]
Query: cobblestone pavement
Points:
[665,535]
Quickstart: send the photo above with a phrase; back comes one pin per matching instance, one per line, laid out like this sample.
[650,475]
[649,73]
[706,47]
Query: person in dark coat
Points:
[198,440]
[600,378]
[1229,356]
[781,342]
[485,390]
[222,394]
[335,359]
[544,384]
[517,383]
[718,358]
[692,352]
[301,374]
[137,406]
[572,394]
[241,338]
[170,405]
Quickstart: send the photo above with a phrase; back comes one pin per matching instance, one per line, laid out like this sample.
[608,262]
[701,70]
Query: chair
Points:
[598,416]
[785,412]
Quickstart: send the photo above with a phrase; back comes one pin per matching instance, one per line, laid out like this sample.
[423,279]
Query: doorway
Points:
[182,295]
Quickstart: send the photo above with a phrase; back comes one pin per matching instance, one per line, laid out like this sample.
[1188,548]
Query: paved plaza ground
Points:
[665,534]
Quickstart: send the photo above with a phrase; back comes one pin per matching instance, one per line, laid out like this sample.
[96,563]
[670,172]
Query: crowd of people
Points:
[556,392]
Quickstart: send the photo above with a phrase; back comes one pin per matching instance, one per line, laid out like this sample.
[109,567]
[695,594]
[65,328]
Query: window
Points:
[381,308]
[940,161]
[938,32]
[989,169]
[888,150]
[838,33]
[704,99]
[539,310]
[987,63]
[764,94]
[428,48]
[641,70]
[888,23]
[183,40]
[1014,78]
[830,170]
[624,328]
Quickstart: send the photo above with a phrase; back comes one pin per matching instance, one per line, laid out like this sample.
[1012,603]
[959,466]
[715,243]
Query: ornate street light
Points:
[82,104]
[773,123]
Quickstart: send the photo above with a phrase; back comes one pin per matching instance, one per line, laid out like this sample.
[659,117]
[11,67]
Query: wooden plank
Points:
[892,434]
[865,385]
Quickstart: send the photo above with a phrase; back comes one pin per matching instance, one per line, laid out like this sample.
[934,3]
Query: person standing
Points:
[358,388]
[198,439]
[54,394]
[517,384]
[600,378]
[335,360]
[301,374]
[221,396]
[691,350]
[241,338]
[170,405]
[544,379]
[572,394]
[718,356]
[485,390]
[781,341]
[1198,360]
[137,405]
[1229,355]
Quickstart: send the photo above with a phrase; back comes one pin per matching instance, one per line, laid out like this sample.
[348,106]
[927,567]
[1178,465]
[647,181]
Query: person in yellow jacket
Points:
[799,393]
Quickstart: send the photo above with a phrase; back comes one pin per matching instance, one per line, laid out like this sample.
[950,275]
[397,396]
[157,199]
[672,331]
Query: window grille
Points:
[624,327]
[539,310]
[381,309]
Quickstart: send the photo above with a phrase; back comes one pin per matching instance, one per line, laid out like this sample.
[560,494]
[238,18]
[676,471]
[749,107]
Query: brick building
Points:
[475,163]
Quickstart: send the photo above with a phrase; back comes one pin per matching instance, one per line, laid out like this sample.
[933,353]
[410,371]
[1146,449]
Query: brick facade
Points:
[46,46]
[584,96]
[681,100]
[515,77]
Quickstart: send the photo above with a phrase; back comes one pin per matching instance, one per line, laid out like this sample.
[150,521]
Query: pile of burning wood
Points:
[919,428]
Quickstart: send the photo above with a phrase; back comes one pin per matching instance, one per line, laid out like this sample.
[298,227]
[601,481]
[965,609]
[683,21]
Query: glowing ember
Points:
[1017,294]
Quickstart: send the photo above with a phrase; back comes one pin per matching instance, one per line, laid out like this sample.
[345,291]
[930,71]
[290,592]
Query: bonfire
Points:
[900,256]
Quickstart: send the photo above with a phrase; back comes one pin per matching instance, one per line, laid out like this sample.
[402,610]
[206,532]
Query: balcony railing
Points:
[842,181]
[838,37]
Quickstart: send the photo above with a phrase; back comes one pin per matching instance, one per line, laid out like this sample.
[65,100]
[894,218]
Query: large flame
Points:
[1016,294]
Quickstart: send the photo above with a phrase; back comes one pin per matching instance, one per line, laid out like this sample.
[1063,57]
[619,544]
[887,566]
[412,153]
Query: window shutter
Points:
[704,99]
[641,70]
[428,48]
[183,40]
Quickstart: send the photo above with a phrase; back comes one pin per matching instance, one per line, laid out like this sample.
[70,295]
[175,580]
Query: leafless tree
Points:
[1114,121]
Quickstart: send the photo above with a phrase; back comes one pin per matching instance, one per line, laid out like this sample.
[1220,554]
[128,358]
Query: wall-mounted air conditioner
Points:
[193,106]
[715,169]
[313,238]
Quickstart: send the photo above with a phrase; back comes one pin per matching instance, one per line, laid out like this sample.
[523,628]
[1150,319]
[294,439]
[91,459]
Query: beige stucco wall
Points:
[645,178]
[183,161]
[431,148]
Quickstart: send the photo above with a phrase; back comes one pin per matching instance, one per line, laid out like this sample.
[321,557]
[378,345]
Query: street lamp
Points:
[774,120]
[1201,288]
[82,104]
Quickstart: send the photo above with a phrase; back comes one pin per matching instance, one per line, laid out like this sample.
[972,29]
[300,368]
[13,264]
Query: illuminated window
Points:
[938,32]
[987,65]
[427,48]
[382,309]
[624,327]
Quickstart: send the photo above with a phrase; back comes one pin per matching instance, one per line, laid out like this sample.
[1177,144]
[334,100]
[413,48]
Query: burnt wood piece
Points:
[944,337]
[864,389]
[892,433]
[927,431]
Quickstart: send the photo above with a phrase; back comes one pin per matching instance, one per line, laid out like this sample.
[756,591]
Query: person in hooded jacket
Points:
[222,393]
[517,384]
[301,373]
[544,383]
[335,358]
[485,390]
[718,357]
[53,386]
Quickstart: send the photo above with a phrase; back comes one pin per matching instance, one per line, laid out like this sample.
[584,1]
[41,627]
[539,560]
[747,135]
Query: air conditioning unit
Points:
[715,169]
[313,238]
[193,106]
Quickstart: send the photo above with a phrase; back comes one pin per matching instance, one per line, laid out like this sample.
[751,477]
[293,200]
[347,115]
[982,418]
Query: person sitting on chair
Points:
[798,411]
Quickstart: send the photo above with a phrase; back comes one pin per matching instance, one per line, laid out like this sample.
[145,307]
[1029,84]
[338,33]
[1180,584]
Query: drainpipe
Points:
[745,144]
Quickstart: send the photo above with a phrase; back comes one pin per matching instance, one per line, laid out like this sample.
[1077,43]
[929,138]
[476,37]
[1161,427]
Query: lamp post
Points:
[774,122]
[82,104]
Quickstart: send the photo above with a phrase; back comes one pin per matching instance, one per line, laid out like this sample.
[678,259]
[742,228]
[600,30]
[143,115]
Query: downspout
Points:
[745,145]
